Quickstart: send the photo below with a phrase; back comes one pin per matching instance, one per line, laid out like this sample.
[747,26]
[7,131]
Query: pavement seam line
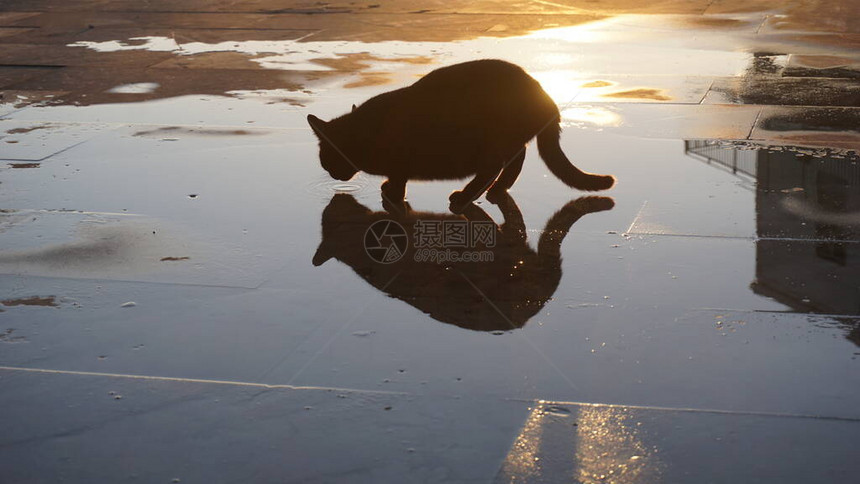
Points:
[382,392]
[273,386]
[636,218]
[658,408]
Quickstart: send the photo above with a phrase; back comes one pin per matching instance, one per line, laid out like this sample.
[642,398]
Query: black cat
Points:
[469,119]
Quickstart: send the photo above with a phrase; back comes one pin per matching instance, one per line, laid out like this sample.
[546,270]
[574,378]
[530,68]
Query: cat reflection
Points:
[493,295]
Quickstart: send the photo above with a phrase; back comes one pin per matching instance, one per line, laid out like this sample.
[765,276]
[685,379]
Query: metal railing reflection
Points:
[712,152]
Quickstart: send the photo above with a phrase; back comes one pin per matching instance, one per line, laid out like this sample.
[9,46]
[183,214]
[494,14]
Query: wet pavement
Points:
[185,294]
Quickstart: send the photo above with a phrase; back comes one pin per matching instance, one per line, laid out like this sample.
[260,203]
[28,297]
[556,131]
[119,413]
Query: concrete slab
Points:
[14,75]
[9,18]
[255,432]
[786,91]
[11,31]
[809,126]
[822,66]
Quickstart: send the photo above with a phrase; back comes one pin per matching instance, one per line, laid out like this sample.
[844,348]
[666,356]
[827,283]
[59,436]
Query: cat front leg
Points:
[394,196]
[394,190]
[483,179]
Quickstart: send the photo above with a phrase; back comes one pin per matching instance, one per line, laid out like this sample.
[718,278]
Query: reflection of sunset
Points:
[588,32]
[641,93]
[584,60]
[523,463]
[603,441]
[561,85]
[608,449]
[591,115]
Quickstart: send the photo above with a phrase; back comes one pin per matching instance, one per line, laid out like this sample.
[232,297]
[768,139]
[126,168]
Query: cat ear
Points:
[322,255]
[353,107]
[317,124]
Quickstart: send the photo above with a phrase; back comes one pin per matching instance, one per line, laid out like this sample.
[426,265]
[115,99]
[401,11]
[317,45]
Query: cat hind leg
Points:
[474,189]
[509,175]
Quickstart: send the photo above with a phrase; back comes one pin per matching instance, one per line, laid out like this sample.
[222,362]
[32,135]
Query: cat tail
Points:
[561,167]
[557,227]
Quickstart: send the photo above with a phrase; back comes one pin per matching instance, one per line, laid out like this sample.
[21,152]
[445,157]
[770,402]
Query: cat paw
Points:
[592,204]
[496,195]
[458,200]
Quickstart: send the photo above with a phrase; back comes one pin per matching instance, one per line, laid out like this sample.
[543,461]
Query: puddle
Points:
[188,211]
[562,58]
[623,58]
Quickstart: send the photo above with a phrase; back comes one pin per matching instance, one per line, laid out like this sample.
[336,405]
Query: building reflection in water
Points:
[807,225]
[606,444]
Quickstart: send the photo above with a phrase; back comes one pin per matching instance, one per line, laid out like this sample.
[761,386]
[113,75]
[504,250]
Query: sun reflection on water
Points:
[523,463]
[590,445]
[609,449]
[590,116]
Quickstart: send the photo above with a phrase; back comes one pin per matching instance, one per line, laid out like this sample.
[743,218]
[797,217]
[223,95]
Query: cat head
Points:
[332,157]
[344,223]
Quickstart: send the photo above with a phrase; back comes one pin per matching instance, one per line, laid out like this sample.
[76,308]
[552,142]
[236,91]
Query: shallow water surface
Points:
[164,233]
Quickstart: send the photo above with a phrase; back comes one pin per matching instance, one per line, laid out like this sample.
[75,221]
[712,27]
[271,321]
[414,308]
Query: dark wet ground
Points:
[183,293]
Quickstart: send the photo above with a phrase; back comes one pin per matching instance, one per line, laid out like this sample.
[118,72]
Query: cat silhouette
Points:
[468,119]
[500,294]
